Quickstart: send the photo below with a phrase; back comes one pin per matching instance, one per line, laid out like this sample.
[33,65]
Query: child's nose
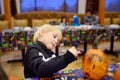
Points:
[56,41]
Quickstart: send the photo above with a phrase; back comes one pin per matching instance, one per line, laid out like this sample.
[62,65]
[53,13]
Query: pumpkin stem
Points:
[98,38]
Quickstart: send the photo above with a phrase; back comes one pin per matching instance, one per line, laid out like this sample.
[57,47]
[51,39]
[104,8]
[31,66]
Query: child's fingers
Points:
[79,52]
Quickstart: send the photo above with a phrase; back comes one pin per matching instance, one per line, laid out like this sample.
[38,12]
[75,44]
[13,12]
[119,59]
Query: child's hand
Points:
[74,51]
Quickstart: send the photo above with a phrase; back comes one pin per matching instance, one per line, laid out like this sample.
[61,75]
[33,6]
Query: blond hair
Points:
[46,28]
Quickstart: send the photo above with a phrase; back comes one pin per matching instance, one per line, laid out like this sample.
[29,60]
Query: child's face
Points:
[64,19]
[50,39]
[88,14]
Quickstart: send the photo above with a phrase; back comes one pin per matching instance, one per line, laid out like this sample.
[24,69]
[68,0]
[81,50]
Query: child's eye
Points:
[54,36]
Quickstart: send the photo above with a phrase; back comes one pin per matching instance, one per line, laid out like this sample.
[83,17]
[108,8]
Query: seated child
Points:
[64,21]
[90,18]
[40,61]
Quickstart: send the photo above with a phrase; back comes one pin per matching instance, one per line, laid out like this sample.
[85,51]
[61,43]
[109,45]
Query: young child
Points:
[90,18]
[64,21]
[39,59]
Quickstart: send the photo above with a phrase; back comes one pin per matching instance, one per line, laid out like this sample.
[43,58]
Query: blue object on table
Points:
[75,21]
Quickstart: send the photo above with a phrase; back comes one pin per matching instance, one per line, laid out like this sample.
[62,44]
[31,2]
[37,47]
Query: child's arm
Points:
[74,51]
[44,68]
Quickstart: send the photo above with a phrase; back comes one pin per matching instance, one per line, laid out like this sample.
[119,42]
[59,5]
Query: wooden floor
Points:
[16,69]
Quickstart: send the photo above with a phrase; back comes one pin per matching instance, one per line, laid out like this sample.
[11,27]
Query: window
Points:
[112,5]
[49,5]
[71,6]
[27,5]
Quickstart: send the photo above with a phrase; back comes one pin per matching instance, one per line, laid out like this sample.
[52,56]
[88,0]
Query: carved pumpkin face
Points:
[95,64]
[117,75]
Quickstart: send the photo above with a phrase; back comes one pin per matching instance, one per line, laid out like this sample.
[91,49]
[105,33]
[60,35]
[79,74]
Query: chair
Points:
[116,21]
[58,21]
[3,24]
[48,21]
[107,21]
[20,22]
[37,22]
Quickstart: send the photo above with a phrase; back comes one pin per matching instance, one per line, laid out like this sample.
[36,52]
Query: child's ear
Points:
[42,32]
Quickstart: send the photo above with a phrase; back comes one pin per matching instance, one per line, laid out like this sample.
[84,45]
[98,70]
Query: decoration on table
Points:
[12,39]
[5,39]
[75,21]
[29,32]
[78,74]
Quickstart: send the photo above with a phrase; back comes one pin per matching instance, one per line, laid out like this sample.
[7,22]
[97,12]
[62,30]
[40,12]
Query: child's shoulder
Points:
[35,46]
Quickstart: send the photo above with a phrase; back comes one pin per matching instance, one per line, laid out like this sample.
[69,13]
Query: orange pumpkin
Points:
[95,63]
[117,75]
[12,78]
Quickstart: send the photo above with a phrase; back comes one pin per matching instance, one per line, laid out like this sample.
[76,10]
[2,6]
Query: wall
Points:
[81,6]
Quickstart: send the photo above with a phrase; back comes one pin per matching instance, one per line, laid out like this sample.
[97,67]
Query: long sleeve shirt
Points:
[91,20]
[41,62]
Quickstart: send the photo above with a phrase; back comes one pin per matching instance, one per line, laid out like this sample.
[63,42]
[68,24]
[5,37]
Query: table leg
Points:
[111,47]
[18,60]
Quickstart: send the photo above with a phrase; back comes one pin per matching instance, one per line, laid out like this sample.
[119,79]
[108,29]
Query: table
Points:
[87,34]
[13,39]
[112,33]
[19,60]
[77,74]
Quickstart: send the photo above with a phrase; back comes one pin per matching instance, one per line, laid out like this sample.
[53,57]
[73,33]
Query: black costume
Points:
[41,62]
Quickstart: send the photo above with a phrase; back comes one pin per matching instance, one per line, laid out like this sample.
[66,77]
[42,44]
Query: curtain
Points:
[0,7]
[92,5]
